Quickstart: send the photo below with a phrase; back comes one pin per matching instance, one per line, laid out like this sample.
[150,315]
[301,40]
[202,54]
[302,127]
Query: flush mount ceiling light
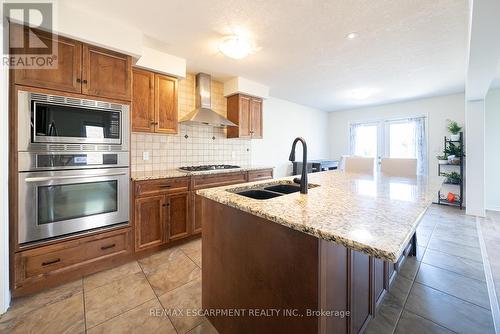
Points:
[362,93]
[236,46]
[351,35]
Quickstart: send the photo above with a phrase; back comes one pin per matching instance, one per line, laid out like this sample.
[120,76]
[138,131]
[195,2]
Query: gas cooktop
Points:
[206,168]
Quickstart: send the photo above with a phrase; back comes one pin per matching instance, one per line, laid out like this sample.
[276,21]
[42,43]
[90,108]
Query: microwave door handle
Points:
[49,178]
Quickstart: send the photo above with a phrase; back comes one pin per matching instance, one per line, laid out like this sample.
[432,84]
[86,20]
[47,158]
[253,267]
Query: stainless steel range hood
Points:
[203,113]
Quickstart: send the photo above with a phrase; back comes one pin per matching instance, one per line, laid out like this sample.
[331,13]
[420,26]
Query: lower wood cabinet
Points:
[150,222]
[48,265]
[178,216]
[169,209]
[161,211]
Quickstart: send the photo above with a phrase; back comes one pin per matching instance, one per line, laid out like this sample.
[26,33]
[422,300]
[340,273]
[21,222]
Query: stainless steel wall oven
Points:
[73,161]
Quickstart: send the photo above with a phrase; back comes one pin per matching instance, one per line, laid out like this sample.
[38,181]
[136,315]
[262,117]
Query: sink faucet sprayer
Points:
[303,178]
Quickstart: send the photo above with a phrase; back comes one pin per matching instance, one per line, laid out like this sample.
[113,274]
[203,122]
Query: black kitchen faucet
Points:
[303,178]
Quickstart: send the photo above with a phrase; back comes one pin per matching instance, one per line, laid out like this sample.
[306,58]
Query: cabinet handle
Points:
[78,80]
[165,186]
[167,204]
[50,262]
[84,81]
[153,123]
[108,246]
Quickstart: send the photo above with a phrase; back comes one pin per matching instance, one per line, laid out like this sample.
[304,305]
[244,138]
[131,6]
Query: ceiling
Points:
[405,49]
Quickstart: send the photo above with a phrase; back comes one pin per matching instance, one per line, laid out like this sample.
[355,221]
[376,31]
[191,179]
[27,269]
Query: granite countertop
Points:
[375,215]
[172,173]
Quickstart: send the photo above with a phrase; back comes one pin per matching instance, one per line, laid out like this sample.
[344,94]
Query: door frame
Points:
[382,133]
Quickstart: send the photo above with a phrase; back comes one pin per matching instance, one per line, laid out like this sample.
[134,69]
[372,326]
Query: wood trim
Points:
[67,94]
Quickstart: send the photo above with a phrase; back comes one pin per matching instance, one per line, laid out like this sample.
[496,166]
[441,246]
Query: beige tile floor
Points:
[128,299]
[442,290]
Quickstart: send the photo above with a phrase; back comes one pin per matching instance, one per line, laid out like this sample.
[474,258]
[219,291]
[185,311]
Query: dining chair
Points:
[359,165]
[399,167]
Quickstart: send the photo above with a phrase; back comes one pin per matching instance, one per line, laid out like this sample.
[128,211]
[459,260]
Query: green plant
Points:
[442,157]
[453,149]
[452,177]
[454,128]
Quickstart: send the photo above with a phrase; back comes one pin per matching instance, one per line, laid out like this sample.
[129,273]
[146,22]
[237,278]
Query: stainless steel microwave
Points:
[54,123]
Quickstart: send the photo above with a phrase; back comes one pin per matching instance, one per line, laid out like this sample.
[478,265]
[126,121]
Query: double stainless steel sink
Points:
[271,191]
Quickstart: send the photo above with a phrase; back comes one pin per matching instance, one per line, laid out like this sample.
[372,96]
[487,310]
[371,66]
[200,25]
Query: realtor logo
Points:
[29,41]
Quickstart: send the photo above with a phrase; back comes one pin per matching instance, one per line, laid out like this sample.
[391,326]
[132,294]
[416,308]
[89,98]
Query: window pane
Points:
[366,141]
[402,140]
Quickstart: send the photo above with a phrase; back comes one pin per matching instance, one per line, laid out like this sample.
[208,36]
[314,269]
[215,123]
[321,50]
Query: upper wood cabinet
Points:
[166,115]
[246,112]
[81,68]
[106,73]
[154,102]
[143,109]
[67,75]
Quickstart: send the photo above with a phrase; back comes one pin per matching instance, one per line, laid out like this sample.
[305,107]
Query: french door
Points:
[402,138]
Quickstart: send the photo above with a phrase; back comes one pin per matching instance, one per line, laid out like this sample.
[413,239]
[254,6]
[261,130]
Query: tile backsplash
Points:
[193,144]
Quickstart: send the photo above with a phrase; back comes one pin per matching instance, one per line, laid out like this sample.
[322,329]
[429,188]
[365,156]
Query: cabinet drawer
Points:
[217,180]
[72,254]
[257,175]
[153,187]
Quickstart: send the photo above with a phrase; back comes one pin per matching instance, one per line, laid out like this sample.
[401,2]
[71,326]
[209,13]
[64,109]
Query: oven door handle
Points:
[65,177]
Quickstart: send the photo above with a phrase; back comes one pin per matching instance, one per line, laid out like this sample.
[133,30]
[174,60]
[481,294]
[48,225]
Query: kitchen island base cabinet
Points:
[253,264]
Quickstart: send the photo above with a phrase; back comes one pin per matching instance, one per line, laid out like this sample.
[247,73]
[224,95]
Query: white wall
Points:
[283,122]
[4,189]
[437,109]
[492,150]
[475,158]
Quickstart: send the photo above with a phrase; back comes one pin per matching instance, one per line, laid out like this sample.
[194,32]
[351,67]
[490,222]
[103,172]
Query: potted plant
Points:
[442,159]
[454,129]
[453,177]
[453,153]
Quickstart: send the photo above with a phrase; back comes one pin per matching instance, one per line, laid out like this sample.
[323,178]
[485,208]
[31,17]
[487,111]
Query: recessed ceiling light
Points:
[351,35]
[236,46]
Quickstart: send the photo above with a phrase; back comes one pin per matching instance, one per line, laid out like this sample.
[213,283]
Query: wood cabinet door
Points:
[361,290]
[149,222]
[66,77]
[256,118]
[143,109]
[166,117]
[178,216]
[245,123]
[106,73]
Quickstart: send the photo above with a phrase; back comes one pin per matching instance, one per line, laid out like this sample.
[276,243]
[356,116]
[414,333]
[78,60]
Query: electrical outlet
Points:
[145,155]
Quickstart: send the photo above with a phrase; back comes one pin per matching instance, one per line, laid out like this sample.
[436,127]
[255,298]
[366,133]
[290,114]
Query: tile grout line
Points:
[451,271]
[411,288]
[158,297]
[84,310]
[495,310]
[413,280]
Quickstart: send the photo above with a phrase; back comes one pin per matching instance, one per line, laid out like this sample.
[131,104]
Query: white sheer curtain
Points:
[420,144]
[352,137]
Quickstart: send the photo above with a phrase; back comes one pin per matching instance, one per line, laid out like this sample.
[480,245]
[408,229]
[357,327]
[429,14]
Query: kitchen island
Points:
[315,263]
